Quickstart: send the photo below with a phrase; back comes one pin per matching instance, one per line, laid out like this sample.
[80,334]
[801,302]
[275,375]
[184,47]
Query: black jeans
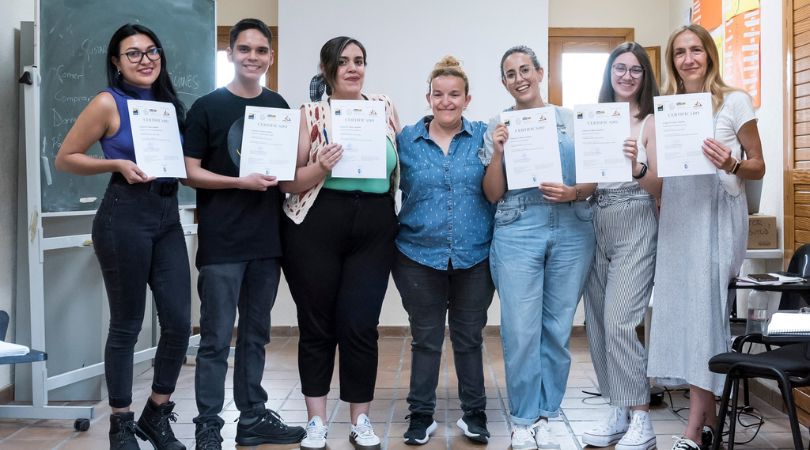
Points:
[337,263]
[428,295]
[249,287]
[138,240]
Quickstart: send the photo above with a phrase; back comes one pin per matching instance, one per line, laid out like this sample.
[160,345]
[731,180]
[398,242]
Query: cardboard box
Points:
[762,232]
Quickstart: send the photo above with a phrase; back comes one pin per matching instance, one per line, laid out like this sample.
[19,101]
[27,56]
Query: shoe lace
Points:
[272,417]
[522,433]
[126,431]
[208,436]
[542,431]
[163,424]
[315,431]
[419,420]
[636,429]
[363,430]
[477,417]
[609,423]
[683,443]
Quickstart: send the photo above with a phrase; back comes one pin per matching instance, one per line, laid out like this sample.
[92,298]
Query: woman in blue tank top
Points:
[137,237]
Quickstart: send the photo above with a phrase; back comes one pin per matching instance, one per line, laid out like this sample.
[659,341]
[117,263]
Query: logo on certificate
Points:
[580,115]
[251,116]
[660,108]
[135,112]
[338,112]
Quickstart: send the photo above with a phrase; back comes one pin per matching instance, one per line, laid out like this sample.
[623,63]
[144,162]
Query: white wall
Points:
[231,11]
[650,18]
[14,11]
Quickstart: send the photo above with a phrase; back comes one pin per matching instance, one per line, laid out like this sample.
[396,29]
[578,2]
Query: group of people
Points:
[460,234]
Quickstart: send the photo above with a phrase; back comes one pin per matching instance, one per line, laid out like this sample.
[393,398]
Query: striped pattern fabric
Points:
[618,289]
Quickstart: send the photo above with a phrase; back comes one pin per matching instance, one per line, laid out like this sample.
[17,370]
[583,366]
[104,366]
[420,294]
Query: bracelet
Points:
[642,173]
[736,167]
[577,194]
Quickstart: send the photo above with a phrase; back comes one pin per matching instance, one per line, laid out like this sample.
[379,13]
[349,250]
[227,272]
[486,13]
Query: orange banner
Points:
[742,53]
[707,13]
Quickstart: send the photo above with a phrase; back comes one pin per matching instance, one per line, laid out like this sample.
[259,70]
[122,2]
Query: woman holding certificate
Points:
[339,237]
[620,282]
[542,247]
[702,236]
[137,236]
[442,262]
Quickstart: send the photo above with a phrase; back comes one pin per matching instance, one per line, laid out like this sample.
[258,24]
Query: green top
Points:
[371,185]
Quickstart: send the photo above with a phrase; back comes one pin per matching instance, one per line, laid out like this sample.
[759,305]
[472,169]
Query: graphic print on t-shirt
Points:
[235,141]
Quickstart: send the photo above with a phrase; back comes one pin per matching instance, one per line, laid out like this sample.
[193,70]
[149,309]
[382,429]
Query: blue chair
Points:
[32,356]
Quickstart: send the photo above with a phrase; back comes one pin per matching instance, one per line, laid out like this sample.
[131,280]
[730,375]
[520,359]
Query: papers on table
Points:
[532,152]
[789,323]
[682,123]
[270,142]
[158,151]
[9,349]
[770,279]
[600,132]
[359,126]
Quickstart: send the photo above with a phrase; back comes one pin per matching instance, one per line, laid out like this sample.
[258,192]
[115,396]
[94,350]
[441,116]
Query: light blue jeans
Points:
[540,256]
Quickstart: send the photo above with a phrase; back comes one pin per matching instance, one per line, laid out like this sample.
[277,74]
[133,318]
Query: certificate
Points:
[532,153]
[359,126]
[600,132]
[682,123]
[270,142]
[156,137]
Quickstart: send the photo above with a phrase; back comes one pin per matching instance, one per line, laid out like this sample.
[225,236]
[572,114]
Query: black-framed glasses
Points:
[136,56]
[635,71]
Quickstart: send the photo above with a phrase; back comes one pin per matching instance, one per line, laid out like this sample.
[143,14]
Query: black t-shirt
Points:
[234,224]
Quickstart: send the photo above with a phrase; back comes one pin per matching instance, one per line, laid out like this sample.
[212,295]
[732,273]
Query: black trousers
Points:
[337,263]
[138,240]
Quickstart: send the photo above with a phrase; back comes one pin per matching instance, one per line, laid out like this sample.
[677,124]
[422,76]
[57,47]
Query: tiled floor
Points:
[580,411]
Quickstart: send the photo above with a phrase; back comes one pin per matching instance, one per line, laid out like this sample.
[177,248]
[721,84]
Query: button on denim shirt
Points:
[444,215]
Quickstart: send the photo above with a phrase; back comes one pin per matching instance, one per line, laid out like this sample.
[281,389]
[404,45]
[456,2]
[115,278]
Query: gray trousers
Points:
[617,292]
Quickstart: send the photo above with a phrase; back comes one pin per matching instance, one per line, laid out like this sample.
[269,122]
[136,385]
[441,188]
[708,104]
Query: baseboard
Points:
[392,331]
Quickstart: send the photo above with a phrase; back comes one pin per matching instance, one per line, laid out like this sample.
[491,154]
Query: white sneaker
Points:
[640,434]
[316,435]
[523,437]
[362,435]
[610,430]
[543,437]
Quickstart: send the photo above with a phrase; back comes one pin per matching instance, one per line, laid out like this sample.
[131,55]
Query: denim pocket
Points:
[583,211]
[505,216]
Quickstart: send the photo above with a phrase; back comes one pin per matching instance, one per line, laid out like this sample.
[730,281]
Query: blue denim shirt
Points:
[445,215]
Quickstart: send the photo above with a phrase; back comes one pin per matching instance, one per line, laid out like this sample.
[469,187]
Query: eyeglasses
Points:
[136,56]
[635,71]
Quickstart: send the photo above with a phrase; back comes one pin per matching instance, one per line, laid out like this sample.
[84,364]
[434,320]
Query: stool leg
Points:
[787,396]
[732,417]
[721,417]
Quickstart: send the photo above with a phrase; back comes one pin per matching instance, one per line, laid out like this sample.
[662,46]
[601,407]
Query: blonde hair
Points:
[449,66]
[712,83]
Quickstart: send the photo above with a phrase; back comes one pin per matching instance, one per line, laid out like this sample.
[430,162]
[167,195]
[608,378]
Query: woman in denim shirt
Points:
[443,247]
[542,248]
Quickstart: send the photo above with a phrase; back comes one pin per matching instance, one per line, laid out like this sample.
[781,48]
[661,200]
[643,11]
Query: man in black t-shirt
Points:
[239,248]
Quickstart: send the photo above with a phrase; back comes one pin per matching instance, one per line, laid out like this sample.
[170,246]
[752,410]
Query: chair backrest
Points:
[3,325]
[799,264]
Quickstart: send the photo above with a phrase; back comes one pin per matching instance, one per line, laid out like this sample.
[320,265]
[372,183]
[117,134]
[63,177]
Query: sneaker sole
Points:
[428,431]
[363,447]
[254,441]
[470,435]
[306,447]
[649,445]
[601,441]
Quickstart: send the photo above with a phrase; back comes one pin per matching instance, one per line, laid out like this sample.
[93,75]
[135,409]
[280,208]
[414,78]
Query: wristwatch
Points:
[735,167]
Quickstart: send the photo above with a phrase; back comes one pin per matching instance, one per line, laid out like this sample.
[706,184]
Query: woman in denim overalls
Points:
[541,251]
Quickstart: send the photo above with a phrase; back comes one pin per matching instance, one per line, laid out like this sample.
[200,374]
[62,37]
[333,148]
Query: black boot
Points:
[122,431]
[154,426]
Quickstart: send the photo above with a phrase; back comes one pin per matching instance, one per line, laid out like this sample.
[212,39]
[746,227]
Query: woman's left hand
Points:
[718,154]
[558,192]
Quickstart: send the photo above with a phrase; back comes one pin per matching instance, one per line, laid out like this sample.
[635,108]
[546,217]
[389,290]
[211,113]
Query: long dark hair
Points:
[330,58]
[648,90]
[162,88]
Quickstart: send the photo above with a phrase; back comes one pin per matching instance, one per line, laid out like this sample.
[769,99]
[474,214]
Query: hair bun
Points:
[447,62]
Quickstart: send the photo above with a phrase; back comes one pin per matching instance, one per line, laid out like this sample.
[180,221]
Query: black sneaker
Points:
[706,438]
[474,425]
[122,431]
[421,425]
[266,428]
[207,435]
[154,426]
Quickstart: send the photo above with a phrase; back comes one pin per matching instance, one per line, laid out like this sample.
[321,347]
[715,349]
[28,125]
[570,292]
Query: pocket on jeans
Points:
[505,216]
[583,211]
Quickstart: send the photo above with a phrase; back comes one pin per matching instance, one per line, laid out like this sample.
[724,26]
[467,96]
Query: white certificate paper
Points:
[158,151]
[359,126]
[270,142]
[600,132]
[532,152]
[682,123]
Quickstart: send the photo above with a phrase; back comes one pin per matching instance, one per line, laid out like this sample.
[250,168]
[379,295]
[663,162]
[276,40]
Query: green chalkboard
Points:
[73,38]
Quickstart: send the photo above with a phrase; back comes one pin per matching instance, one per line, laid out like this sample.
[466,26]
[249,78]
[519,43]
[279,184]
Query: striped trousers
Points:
[618,289]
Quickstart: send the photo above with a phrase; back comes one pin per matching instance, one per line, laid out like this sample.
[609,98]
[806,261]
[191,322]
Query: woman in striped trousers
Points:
[620,282]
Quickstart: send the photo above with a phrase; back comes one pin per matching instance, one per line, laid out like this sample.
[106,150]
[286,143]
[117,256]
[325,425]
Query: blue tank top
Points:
[119,145]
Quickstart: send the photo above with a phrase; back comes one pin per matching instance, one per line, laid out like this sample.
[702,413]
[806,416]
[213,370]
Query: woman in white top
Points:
[702,236]
[620,281]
